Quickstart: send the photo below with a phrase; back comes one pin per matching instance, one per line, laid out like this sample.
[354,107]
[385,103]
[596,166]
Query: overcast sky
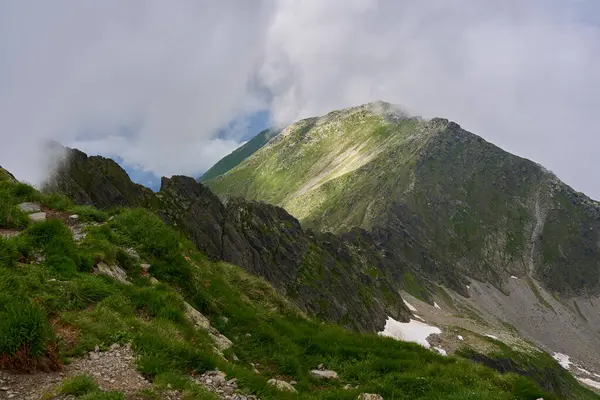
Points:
[172,86]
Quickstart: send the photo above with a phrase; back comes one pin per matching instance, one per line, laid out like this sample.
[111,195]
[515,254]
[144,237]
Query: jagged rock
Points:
[282,385]
[263,239]
[323,374]
[369,396]
[114,271]
[30,207]
[38,216]
[95,181]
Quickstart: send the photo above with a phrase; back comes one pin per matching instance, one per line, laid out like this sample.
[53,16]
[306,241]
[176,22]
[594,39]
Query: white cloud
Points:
[169,73]
[522,74]
[165,76]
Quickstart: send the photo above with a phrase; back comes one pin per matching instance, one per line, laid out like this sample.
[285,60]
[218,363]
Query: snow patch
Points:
[436,305]
[418,317]
[460,337]
[410,306]
[585,371]
[441,351]
[492,336]
[514,277]
[563,360]
[597,376]
[590,382]
[468,287]
[413,331]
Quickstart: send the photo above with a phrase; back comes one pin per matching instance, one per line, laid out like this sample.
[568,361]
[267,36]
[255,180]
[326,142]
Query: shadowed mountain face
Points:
[476,209]
[240,154]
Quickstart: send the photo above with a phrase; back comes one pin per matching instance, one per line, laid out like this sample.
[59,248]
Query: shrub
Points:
[24,332]
[79,385]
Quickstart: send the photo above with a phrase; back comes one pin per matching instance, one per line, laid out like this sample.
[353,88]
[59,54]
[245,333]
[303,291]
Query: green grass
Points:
[85,387]
[89,214]
[264,327]
[78,385]
[24,331]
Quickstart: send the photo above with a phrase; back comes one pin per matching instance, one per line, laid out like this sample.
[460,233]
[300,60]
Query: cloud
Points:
[523,74]
[156,82]
[151,81]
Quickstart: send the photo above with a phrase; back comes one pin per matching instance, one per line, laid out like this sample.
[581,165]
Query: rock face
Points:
[96,181]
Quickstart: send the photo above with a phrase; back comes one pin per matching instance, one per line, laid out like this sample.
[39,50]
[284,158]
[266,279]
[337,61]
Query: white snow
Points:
[413,331]
[492,336]
[597,376]
[441,351]
[590,382]
[468,287]
[460,337]
[418,317]
[514,277]
[585,371]
[436,305]
[410,306]
[563,360]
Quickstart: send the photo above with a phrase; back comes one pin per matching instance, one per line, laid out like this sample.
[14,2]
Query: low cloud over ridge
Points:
[154,82]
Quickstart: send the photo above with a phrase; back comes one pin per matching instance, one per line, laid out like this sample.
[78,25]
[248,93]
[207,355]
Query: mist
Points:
[169,86]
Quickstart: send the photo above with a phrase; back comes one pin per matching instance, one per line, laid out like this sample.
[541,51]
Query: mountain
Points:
[385,279]
[503,236]
[115,305]
[238,155]
[485,211]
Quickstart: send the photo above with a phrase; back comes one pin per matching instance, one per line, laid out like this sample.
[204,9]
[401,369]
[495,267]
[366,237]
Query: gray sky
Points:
[153,81]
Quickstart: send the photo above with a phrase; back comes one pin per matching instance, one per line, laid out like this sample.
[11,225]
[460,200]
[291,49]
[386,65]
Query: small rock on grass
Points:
[323,374]
[281,385]
[369,396]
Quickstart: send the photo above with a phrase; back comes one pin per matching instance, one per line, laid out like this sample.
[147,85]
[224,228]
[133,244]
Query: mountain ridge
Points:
[443,175]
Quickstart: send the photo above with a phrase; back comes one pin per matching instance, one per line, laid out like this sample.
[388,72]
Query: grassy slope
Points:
[238,155]
[475,203]
[265,329]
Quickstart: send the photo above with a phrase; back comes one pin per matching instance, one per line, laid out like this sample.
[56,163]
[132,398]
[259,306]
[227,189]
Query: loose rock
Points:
[369,396]
[323,374]
[281,385]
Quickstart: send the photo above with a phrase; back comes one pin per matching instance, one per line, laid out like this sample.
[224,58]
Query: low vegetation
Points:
[46,276]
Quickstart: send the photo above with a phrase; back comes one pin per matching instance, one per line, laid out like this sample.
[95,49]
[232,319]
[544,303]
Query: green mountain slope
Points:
[70,287]
[238,155]
[479,210]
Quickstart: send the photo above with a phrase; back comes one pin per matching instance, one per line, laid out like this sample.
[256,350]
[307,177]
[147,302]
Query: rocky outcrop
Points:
[342,279]
[96,181]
